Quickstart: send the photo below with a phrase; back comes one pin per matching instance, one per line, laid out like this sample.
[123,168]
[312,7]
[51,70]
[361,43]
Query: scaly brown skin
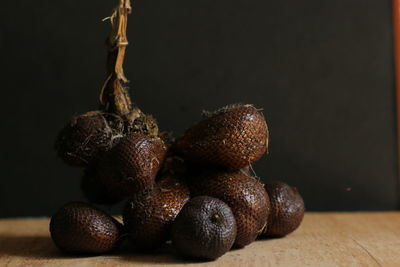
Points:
[235,136]
[205,229]
[131,165]
[79,228]
[287,209]
[148,217]
[245,196]
[82,140]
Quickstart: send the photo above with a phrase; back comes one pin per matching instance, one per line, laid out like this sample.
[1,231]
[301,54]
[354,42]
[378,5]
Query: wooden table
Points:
[324,239]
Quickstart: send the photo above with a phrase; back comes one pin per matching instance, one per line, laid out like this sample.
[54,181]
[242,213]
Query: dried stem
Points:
[114,96]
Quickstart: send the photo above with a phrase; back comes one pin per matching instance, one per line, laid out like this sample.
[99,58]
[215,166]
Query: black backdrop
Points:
[321,70]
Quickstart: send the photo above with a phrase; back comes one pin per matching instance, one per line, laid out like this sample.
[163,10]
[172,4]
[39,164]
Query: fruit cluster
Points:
[196,191]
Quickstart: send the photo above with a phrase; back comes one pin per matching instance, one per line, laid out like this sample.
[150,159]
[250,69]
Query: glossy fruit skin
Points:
[131,165]
[244,194]
[235,136]
[287,209]
[83,138]
[205,229]
[148,216]
[80,228]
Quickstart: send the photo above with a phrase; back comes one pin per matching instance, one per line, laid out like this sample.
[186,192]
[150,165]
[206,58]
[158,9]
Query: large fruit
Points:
[245,196]
[84,137]
[80,228]
[235,136]
[148,215]
[287,209]
[204,229]
[132,165]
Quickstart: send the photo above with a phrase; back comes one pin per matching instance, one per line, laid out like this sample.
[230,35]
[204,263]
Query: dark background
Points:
[322,71]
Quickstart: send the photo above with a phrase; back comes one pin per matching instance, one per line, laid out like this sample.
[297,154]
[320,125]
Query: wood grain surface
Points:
[323,239]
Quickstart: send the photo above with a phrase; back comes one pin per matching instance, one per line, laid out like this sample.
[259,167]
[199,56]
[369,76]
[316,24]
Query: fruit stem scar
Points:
[215,218]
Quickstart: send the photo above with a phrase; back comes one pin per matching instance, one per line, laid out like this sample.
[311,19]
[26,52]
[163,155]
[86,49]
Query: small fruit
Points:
[204,229]
[234,136]
[83,138]
[287,209]
[96,192]
[245,196]
[132,164]
[148,217]
[80,228]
